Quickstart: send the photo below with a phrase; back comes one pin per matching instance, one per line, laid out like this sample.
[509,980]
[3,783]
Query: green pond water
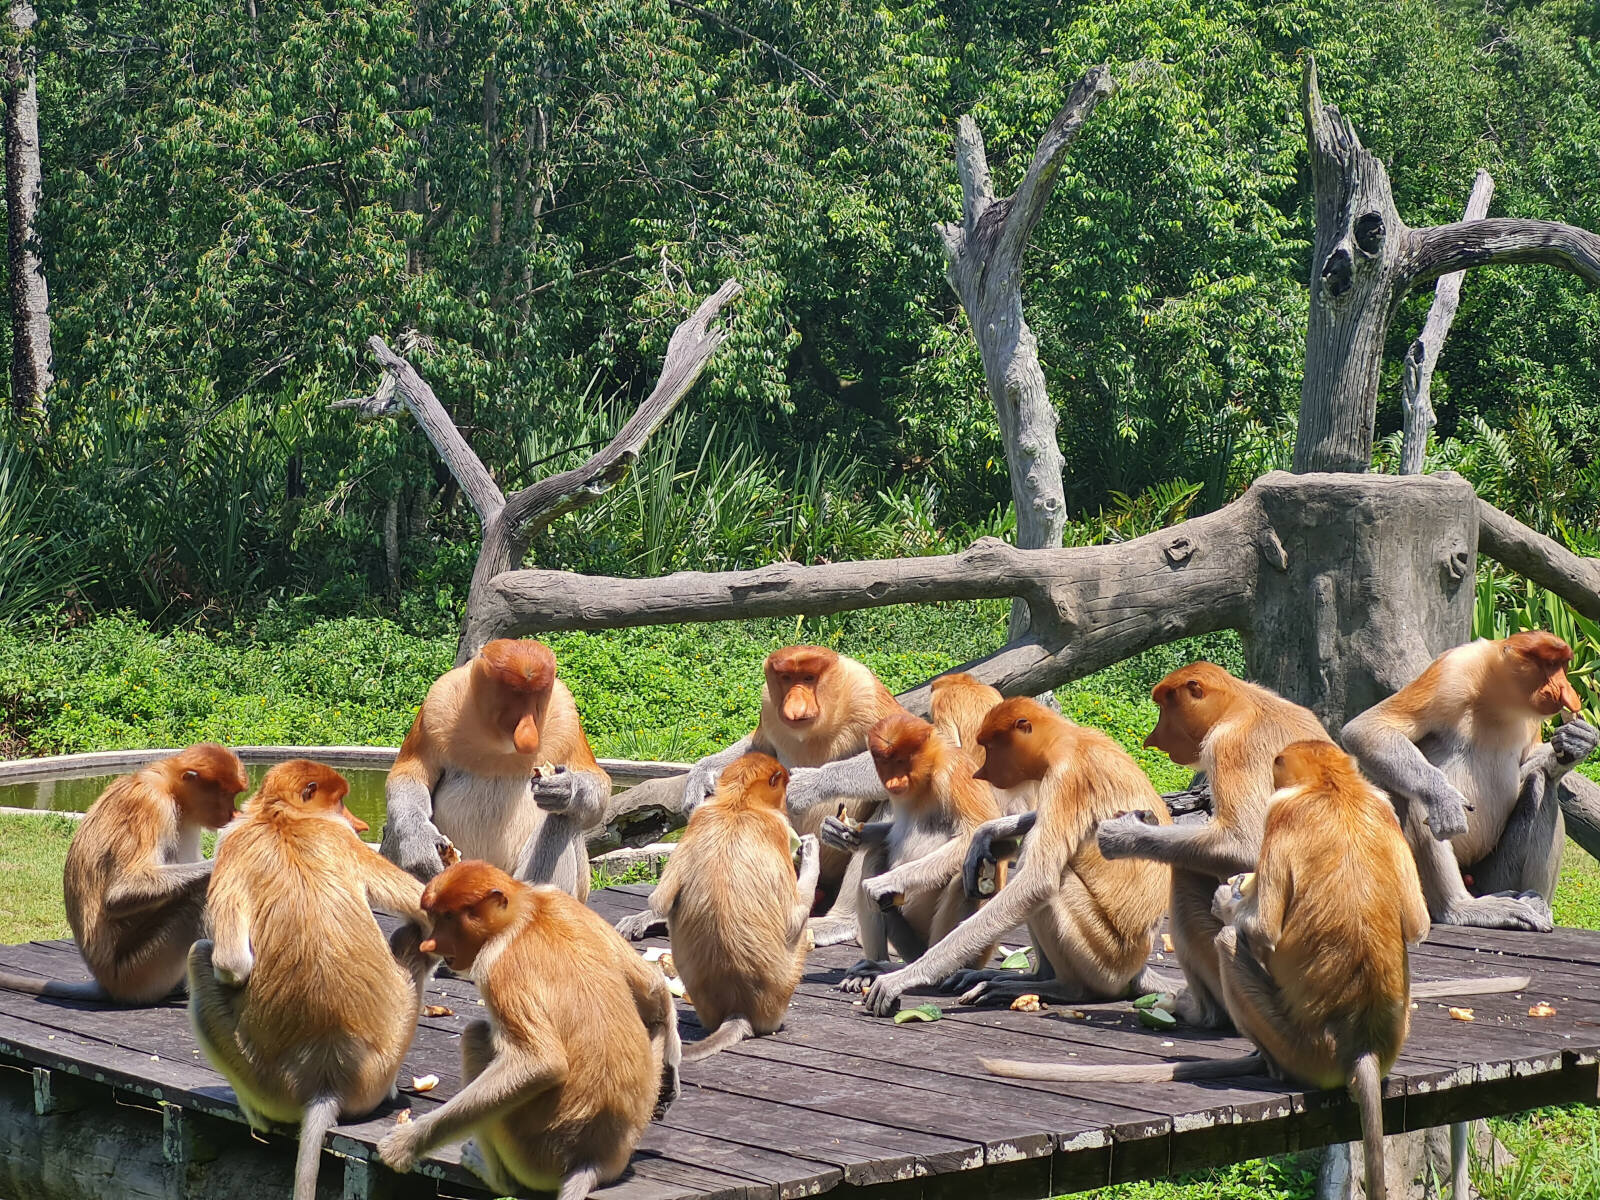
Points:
[75,795]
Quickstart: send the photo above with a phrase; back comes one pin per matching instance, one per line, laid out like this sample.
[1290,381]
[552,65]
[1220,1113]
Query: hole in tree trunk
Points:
[1369,232]
[1336,272]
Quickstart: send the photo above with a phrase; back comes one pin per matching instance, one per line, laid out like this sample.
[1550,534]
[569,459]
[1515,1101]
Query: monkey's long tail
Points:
[579,1182]
[1366,1089]
[320,1116]
[54,989]
[730,1033]
[1167,1072]
[1441,989]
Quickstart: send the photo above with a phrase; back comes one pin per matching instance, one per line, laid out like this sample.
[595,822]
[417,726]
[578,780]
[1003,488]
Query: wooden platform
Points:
[840,1102]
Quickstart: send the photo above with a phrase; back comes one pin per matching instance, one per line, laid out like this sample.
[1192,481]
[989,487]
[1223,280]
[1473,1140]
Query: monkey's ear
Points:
[1023,725]
[1195,690]
[191,775]
[309,790]
[497,896]
[776,779]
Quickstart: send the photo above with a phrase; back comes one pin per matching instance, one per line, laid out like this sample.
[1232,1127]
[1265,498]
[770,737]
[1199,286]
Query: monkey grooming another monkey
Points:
[914,859]
[736,906]
[135,881]
[1231,730]
[580,1045]
[298,999]
[1458,750]
[1314,968]
[816,708]
[1092,920]
[463,773]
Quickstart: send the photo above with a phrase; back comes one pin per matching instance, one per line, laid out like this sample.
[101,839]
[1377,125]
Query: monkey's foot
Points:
[671,1089]
[859,977]
[966,980]
[1200,1010]
[1004,991]
[832,931]
[1503,910]
[486,1168]
[642,925]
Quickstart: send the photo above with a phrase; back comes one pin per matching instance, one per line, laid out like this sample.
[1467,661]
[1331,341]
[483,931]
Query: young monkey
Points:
[736,906]
[580,1045]
[816,708]
[914,859]
[298,999]
[135,881]
[1459,752]
[1314,969]
[1092,920]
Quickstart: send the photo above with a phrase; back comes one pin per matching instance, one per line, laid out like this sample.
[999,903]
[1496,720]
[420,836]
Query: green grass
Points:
[32,853]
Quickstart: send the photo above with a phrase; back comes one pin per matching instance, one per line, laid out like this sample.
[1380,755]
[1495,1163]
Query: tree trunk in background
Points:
[30,297]
[1423,356]
[984,267]
[1364,262]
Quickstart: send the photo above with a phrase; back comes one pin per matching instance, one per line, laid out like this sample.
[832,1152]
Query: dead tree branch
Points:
[509,523]
[1545,561]
[1423,356]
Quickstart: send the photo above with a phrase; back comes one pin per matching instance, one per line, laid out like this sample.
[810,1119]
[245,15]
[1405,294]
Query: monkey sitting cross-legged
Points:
[1314,969]
[737,906]
[580,1045]
[913,861]
[298,999]
[1458,750]
[497,764]
[816,708]
[1092,920]
[135,881]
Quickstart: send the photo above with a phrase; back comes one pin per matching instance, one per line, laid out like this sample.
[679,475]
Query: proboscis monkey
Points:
[1458,750]
[816,708]
[737,906]
[135,881]
[1314,966]
[1092,920]
[497,764]
[957,703]
[580,1045]
[913,860]
[298,999]
[1231,730]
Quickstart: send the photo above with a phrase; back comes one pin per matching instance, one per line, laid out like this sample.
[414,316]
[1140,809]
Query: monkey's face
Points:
[1015,743]
[1191,701]
[468,903]
[512,679]
[793,678]
[899,746]
[1535,673]
[209,780]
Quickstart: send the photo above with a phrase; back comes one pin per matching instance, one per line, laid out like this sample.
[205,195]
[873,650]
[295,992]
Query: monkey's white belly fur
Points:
[487,817]
[1488,782]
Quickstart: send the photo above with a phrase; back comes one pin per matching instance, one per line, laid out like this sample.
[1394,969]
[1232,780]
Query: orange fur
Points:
[959,703]
[298,999]
[579,1040]
[729,893]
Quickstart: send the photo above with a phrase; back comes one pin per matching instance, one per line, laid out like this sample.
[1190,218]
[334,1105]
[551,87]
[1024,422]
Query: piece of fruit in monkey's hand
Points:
[448,854]
[547,770]
[988,877]
[849,822]
[891,900]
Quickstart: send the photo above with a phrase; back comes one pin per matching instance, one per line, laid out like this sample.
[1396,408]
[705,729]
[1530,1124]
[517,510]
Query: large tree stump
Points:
[1362,587]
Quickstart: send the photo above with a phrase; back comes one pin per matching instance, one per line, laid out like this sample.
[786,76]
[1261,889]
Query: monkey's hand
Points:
[1570,744]
[402,1146]
[883,997]
[859,977]
[882,889]
[578,794]
[1124,836]
[416,846]
[839,835]
[1445,810]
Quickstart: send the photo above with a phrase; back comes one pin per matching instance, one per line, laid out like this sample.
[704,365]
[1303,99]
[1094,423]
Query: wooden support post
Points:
[365,1179]
[55,1092]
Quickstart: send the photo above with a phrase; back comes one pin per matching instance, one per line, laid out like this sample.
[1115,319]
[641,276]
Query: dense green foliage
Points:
[527,195]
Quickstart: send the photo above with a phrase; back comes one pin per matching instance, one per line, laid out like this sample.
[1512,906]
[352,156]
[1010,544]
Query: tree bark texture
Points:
[1423,356]
[30,296]
[509,522]
[983,254]
[1364,261]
